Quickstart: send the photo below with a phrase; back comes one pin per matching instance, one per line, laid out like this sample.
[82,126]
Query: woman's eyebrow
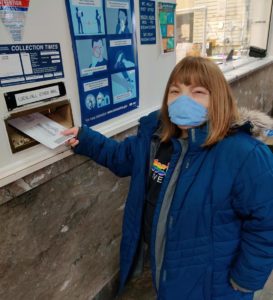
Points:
[174,85]
[178,84]
[199,86]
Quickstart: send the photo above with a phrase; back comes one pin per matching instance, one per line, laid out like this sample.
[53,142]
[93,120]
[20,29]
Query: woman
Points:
[201,193]
[122,25]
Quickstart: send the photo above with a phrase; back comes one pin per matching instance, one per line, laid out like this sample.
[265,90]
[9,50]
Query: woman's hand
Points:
[73,131]
[122,26]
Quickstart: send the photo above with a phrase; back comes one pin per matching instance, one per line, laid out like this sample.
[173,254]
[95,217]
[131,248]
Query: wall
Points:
[46,22]
[60,240]
[255,90]
[60,227]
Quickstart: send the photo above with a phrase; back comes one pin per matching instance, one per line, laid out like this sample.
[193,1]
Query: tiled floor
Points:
[267,292]
[141,289]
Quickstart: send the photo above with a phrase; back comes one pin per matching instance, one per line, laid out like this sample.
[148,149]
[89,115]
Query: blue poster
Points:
[26,63]
[147,22]
[104,42]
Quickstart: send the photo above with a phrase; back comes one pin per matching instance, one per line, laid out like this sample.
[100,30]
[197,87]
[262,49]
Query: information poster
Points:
[13,15]
[25,63]
[166,16]
[103,36]
[147,22]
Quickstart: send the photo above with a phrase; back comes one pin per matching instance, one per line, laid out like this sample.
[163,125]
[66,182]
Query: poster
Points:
[184,27]
[104,42]
[13,15]
[25,63]
[166,16]
[147,22]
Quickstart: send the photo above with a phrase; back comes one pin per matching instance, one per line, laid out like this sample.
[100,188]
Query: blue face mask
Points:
[185,111]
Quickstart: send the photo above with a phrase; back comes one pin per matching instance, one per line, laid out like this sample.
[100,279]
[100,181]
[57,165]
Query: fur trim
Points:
[258,120]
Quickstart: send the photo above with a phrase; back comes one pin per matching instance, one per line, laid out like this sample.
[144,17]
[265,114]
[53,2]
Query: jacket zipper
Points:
[159,257]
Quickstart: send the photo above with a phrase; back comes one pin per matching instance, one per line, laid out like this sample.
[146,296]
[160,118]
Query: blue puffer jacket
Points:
[220,221]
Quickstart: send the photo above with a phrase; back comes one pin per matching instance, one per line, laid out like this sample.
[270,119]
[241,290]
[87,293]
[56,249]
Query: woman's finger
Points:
[75,144]
[70,142]
[69,131]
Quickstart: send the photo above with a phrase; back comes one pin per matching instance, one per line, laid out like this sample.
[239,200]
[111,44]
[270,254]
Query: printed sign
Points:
[104,40]
[13,15]
[147,22]
[37,95]
[24,63]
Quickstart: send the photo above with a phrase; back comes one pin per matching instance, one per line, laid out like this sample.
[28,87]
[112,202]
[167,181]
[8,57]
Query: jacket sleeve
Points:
[253,201]
[116,156]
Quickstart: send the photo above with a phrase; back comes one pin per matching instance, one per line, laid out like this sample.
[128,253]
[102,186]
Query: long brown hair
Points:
[222,109]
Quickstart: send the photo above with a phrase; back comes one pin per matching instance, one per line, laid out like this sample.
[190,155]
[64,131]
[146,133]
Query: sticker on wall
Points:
[13,15]
[166,17]
[105,56]
[147,22]
[25,63]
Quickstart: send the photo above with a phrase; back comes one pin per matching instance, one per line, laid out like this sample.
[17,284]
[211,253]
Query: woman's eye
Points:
[174,92]
[199,92]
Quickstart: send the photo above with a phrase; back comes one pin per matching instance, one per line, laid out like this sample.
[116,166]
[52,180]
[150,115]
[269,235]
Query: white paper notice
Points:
[42,129]
[10,65]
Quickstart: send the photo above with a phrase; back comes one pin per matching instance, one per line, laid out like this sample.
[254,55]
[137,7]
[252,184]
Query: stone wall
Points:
[60,235]
[61,227]
[255,91]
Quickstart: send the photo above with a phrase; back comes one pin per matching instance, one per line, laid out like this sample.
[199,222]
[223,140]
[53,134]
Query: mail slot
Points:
[59,111]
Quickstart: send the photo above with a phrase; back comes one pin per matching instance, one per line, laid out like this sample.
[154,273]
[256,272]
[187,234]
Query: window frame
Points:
[236,69]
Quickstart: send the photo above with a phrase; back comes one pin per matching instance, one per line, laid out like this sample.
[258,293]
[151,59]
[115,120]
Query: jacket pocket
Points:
[191,283]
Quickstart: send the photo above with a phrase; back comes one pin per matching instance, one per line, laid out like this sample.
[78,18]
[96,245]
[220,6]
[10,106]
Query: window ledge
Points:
[241,68]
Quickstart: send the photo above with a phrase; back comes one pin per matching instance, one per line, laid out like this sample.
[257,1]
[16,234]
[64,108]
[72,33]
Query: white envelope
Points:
[42,129]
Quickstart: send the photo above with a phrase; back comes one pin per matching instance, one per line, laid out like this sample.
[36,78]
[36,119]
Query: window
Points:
[221,29]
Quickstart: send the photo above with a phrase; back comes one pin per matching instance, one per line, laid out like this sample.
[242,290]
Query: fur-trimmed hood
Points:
[257,121]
